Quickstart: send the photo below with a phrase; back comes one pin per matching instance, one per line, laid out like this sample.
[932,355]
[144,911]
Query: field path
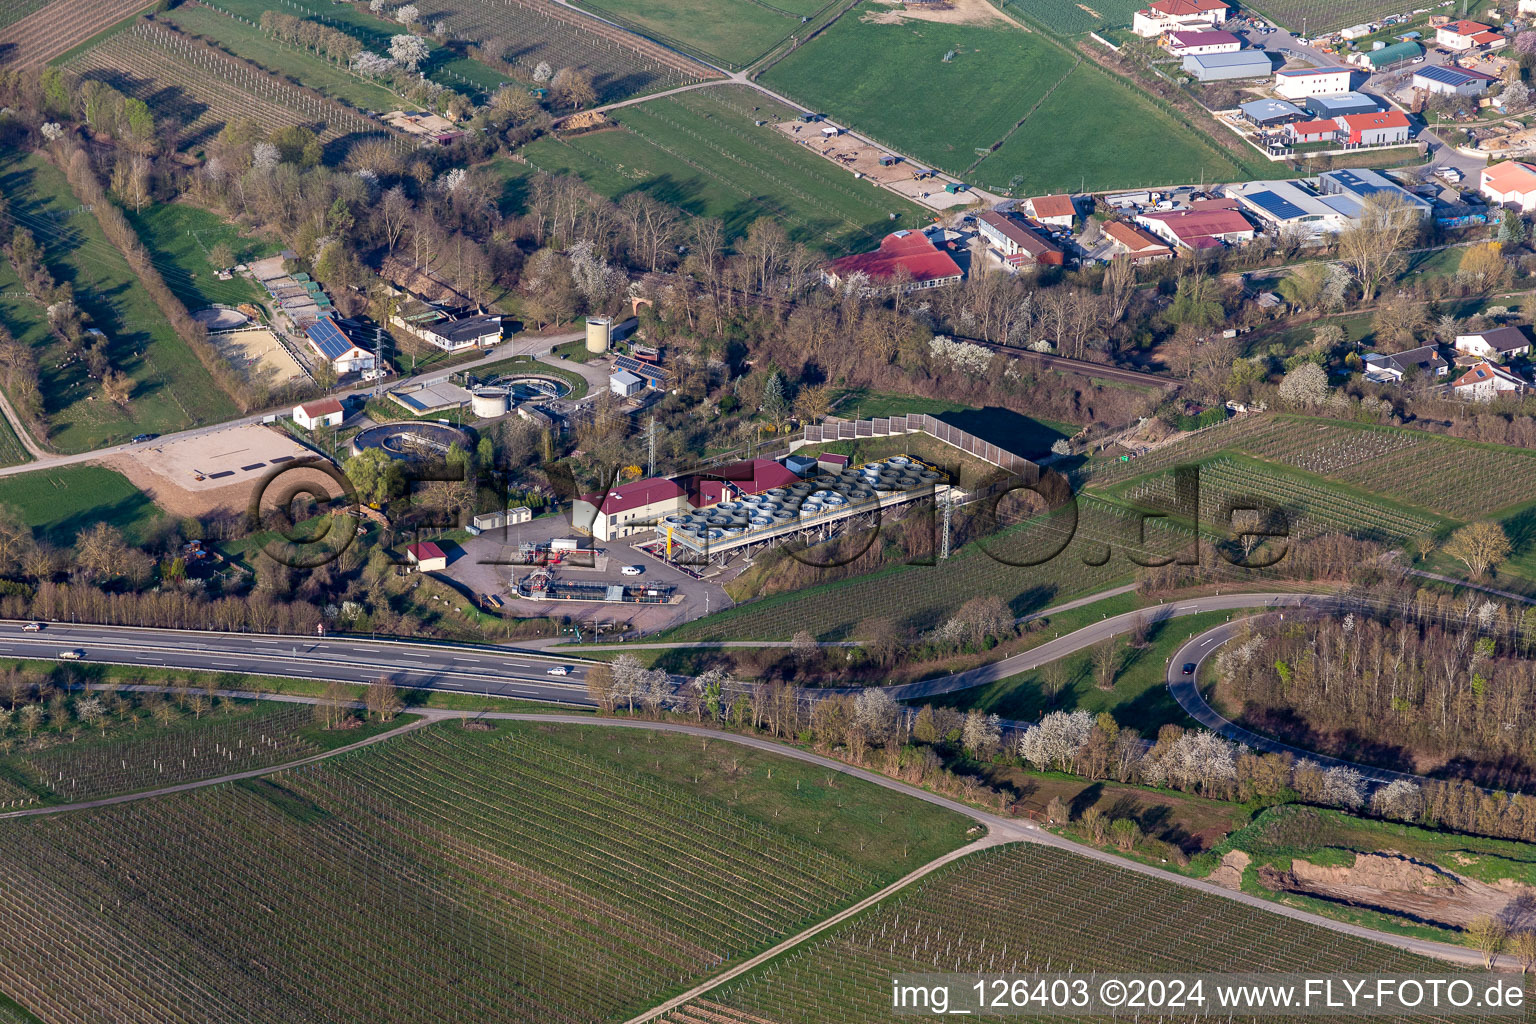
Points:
[20,428]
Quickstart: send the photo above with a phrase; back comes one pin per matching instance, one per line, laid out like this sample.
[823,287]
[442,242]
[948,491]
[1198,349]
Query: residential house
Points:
[1140,246]
[906,261]
[1389,128]
[327,412]
[1176,15]
[1183,44]
[1199,229]
[1448,80]
[1016,242]
[1484,382]
[1299,83]
[1057,211]
[330,337]
[426,557]
[1500,343]
[1510,183]
[1466,35]
[1424,362]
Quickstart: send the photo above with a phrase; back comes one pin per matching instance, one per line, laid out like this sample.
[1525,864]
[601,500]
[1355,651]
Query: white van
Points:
[633,570]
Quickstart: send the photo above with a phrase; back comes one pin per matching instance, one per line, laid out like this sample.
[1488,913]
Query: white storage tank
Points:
[489,403]
[599,333]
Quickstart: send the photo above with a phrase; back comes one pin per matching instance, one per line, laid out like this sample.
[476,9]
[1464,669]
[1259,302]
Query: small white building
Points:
[426,557]
[1299,83]
[455,335]
[628,509]
[1425,361]
[1511,183]
[1057,211]
[625,384]
[1501,343]
[328,337]
[327,412]
[1177,15]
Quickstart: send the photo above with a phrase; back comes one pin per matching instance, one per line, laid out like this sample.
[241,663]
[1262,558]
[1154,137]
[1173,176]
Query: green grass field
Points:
[181,236]
[250,42]
[11,451]
[1068,17]
[172,390]
[998,75]
[731,31]
[59,503]
[701,152]
[1023,435]
[521,873]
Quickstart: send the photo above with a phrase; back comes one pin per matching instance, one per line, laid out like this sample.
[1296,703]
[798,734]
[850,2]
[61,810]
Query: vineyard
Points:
[1022,909]
[531,32]
[1313,507]
[214,743]
[917,598]
[12,11]
[1321,16]
[45,33]
[445,875]
[200,89]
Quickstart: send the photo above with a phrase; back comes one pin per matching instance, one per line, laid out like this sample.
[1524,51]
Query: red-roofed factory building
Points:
[906,261]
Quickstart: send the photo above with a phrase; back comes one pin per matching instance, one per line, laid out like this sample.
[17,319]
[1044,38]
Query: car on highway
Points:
[633,570]
[141,438]
[1189,668]
[559,670]
[32,627]
[73,654]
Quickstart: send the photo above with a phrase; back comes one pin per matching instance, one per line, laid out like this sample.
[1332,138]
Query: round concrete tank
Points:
[599,333]
[488,404]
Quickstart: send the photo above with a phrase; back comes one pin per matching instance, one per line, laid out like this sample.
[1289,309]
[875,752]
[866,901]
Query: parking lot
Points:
[485,564]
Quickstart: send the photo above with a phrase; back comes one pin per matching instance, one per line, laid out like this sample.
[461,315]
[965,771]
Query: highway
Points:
[494,672]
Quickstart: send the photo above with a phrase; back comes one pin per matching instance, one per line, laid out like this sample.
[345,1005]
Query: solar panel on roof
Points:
[1275,205]
[329,339]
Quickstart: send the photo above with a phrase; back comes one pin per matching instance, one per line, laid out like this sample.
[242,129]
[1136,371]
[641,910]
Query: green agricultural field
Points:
[1000,76]
[1072,17]
[1320,16]
[11,451]
[522,873]
[1023,435]
[1138,700]
[248,41]
[1025,908]
[172,391]
[995,73]
[733,32]
[182,237]
[1122,140]
[59,503]
[701,152]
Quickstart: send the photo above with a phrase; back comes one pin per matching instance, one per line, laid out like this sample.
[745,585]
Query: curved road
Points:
[1187,693]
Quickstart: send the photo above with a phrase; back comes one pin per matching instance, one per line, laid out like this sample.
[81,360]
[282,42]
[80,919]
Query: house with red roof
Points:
[1057,211]
[1199,229]
[906,261]
[327,412]
[1178,15]
[1466,35]
[1483,382]
[426,557]
[1140,246]
[628,508]
[1511,183]
[1388,128]
[736,480]
[1324,130]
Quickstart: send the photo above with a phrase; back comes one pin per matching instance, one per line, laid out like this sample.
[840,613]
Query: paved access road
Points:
[1187,693]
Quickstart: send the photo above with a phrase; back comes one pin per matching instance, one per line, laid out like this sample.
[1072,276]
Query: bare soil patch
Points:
[222,470]
[951,12]
[1229,873]
[1399,885]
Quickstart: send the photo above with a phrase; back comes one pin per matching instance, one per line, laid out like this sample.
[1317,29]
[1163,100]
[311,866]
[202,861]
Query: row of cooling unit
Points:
[827,493]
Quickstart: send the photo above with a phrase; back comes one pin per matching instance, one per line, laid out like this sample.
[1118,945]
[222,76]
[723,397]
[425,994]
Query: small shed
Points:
[426,557]
[829,131]
[800,465]
[886,160]
[625,384]
[829,461]
[325,413]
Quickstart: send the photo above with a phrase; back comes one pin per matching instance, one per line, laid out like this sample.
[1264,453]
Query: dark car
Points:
[141,438]
[1189,668]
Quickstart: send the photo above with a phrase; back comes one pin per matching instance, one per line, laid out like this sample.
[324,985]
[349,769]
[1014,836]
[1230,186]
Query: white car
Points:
[559,670]
[633,570]
[32,627]
[74,654]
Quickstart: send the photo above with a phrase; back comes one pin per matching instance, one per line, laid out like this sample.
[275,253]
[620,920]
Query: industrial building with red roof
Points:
[906,260]
[1198,229]
[1385,128]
